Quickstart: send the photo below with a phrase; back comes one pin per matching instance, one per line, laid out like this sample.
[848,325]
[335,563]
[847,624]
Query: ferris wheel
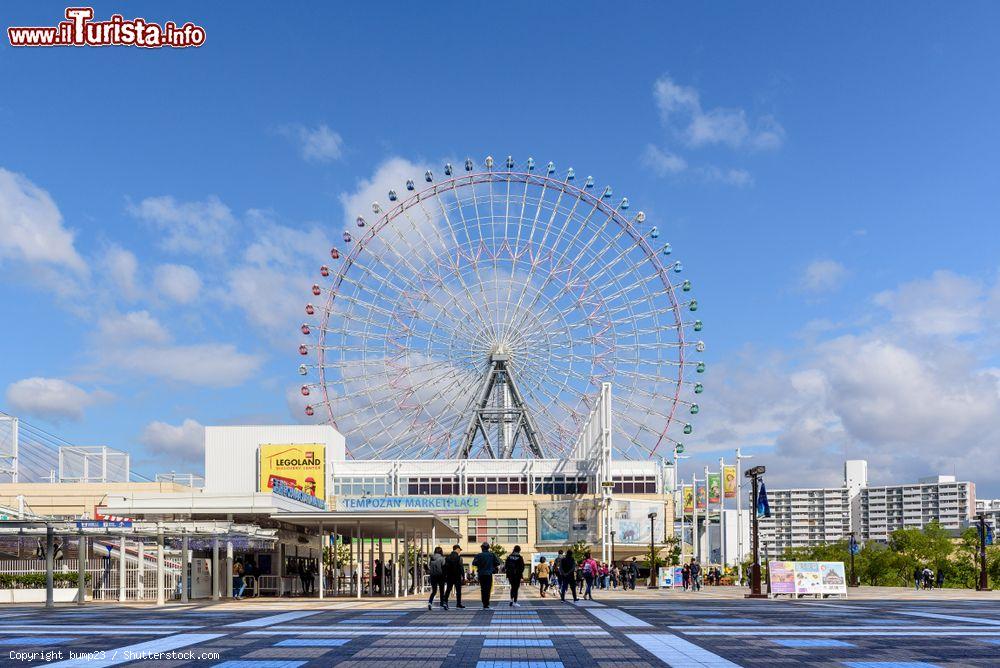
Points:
[477,315]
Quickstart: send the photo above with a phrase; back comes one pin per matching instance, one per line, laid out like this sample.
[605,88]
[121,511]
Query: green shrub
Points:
[37,580]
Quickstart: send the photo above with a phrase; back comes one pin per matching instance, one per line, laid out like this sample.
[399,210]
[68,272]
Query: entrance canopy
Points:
[374,524]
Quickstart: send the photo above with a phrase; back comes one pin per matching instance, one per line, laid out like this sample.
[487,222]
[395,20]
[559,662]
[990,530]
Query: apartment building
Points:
[938,498]
[816,516]
[805,517]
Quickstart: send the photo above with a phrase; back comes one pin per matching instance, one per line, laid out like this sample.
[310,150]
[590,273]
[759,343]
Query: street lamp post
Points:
[652,548]
[984,583]
[612,547]
[754,474]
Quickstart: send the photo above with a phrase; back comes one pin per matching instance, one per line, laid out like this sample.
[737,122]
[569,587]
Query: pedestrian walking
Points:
[614,576]
[633,573]
[918,576]
[590,569]
[695,576]
[486,564]
[238,580]
[435,569]
[940,578]
[555,569]
[542,573]
[567,575]
[454,573]
[513,568]
[686,576]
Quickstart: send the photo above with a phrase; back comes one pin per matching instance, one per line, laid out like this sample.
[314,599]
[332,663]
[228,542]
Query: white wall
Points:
[231,452]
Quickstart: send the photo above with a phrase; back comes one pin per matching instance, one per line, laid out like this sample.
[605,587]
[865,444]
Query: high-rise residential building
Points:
[990,508]
[938,499]
[816,516]
[805,517]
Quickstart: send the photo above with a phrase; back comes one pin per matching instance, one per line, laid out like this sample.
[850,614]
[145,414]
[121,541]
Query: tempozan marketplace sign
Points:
[454,505]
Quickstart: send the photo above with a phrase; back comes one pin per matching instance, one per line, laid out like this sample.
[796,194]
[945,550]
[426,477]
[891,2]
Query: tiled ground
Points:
[622,631]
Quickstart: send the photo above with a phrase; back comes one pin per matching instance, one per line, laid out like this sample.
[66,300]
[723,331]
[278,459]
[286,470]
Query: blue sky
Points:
[827,172]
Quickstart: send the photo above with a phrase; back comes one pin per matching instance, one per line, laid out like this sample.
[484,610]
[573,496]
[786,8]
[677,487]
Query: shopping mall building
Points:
[278,495]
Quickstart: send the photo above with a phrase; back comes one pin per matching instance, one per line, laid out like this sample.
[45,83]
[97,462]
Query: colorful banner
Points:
[813,578]
[782,576]
[833,577]
[670,576]
[452,505]
[301,467]
[714,487]
[688,496]
[729,481]
[701,494]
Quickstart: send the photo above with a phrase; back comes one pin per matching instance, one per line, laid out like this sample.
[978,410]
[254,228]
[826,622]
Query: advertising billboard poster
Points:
[300,466]
[701,494]
[631,522]
[714,487]
[833,577]
[782,576]
[669,576]
[729,481]
[688,492]
[566,522]
[553,522]
[807,578]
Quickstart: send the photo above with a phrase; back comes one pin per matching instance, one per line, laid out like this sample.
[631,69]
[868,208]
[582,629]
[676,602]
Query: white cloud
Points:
[319,144]
[733,177]
[390,175]
[122,268]
[823,276]
[682,112]
[31,226]
[51,398]
[945,304]
[184,442]
[915,396]
[271,285]
[133,327]
[199,228]
[208,364]
[663,162]
[177,282]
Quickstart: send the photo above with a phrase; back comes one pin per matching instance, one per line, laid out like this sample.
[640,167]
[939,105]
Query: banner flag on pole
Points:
[688,495]
[729,481]
[714,487]
[701,494]
[763,507]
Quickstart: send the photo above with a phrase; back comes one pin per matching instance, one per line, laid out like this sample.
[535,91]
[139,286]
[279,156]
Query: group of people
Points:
[567,572]
[925,578]
[693,576]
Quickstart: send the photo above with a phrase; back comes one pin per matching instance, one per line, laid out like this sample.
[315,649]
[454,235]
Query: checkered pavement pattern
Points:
[620,632]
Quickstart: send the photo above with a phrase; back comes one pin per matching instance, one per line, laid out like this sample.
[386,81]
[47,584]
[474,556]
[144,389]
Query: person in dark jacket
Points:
[435,569]
[454,573]
[567,575]
[514,569]
[486,564]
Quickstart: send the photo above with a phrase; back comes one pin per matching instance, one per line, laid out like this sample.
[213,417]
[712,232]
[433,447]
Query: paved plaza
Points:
[714,628]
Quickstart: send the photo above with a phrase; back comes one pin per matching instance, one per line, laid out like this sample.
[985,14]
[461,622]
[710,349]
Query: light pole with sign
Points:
[652,550]
[754,474]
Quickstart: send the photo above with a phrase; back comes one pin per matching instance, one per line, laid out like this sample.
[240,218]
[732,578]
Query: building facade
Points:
[818,516]
[939,499]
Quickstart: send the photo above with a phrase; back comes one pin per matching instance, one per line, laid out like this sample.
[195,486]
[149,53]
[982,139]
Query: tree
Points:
[499,550]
